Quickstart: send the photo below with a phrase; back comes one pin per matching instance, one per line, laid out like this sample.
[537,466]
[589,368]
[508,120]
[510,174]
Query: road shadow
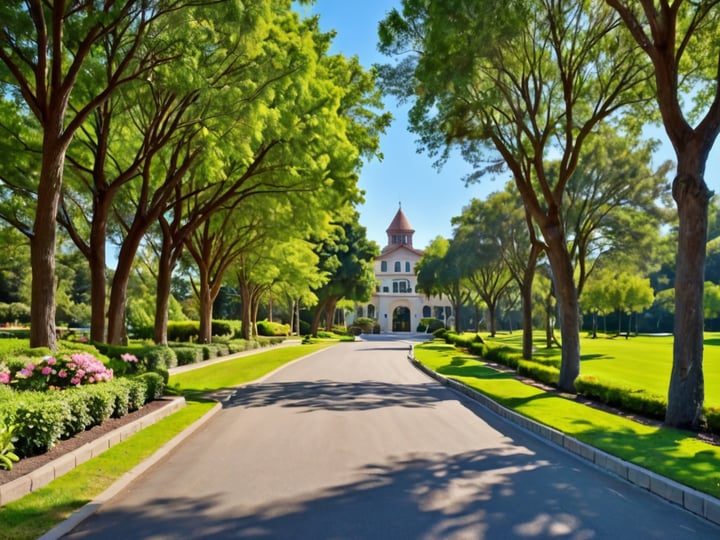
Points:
[500,493]
[324,395]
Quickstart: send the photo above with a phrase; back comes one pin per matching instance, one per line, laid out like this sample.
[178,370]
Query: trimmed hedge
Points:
[41,419]
[617,395]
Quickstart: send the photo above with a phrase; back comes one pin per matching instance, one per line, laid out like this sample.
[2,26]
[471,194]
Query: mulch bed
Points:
[28,465]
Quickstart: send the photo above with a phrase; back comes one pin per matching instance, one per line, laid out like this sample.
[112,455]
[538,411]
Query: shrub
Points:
[101,403]
[154,385]
[62,372]
[539,372]
[267,328]
[121,399]
[365,325]
[430,325]
[616,395]
[712,419]
[80,417]
[188,355]
[41,418]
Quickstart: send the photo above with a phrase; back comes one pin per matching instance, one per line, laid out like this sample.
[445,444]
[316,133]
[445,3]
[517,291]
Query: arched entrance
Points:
[401,319]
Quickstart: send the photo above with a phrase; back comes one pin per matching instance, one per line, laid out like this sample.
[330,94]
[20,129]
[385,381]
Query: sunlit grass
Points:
[643,361]
[672,453]
[41,510]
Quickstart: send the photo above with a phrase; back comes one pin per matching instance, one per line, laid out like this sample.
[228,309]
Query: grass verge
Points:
[41,510]
[672,453]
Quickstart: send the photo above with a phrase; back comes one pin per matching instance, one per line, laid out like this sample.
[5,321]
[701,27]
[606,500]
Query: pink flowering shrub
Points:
[4,374]
[58,373]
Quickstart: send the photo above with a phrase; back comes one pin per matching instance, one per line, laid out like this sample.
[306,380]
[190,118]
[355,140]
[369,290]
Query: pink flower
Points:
[127,357]
[75,381]
[30,367]
[80,373]
[62,374]
[51,360]
[4,377]
[25,372]
[47,370]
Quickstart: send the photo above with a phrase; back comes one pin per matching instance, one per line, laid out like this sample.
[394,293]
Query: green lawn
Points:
[640,362]
[38,512]
[672,453]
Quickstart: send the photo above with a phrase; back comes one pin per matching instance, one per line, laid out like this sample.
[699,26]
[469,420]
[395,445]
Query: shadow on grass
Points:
[589,357]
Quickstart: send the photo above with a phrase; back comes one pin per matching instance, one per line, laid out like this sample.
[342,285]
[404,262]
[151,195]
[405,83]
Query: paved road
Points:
[355,443]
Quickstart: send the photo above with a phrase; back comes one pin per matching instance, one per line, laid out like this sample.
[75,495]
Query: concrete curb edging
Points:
[694,501]
[47,473]
[66,526]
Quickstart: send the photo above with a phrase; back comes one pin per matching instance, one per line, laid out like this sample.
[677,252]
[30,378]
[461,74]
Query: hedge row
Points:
[630,399]
[189,331]
[41,419]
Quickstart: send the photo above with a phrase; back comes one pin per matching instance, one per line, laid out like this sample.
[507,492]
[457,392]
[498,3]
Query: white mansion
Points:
[396,304]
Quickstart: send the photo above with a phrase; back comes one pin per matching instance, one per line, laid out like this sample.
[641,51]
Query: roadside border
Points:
[694,501]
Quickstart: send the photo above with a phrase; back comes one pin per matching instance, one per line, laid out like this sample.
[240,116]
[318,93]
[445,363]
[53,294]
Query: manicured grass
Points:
[639,362]
[672,453]
[241,370]
[41,510]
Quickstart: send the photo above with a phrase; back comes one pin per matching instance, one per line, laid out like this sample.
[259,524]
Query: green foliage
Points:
[364,325]
[7,445]
[188,355]
[50,372]
[80,417]
[430,325]
[539,372]
[618,395]
[101,403]
[267,328]
[154,385]
[41,418]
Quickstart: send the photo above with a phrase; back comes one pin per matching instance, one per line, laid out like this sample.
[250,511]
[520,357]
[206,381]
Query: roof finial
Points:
[400,204]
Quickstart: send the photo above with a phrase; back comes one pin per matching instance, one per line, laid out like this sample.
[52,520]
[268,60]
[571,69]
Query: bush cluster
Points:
[617,395]
[267,328]
[189,331]
[364,325]
[50,372]
[430,325]
[42,418]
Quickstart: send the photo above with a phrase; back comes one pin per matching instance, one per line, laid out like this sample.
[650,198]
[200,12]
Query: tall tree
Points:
[438,273]
[346,256]
[535,78]
[680,39]
[47,49]
[502,223]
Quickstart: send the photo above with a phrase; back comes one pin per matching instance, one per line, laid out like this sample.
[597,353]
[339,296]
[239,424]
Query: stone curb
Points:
[47,473]
[699,503]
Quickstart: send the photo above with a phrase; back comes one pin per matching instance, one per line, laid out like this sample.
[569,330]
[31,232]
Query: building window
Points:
[398,268]
[407,266]
[385,289]
[401,286]
[427,312]
[371,311]
[360,311]
[383,266]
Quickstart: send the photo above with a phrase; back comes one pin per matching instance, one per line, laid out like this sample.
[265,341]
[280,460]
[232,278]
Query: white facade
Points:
[396,303]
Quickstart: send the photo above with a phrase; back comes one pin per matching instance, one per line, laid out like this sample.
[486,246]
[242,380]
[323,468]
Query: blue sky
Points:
[430,198]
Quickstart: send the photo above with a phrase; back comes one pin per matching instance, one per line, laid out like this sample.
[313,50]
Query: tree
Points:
[48,49]
[503,222]
[481,263]
[679,38]
[534,78]
[440,272]
[346,257]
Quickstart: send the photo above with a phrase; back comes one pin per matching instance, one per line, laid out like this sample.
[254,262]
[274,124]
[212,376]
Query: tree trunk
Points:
[162,299]
[686,393]
[206,309]
[317,317]
[42,243]
[98,268]
[492,324]
[566,294]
